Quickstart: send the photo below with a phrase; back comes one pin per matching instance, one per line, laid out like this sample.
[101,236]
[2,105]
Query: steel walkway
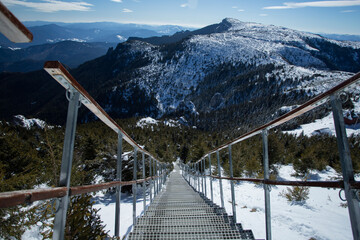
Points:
[179,212]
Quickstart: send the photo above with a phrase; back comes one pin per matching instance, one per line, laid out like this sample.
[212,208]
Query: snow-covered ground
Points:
[148,121]
[106,204]
[324,126]
[29,122]
[321,216]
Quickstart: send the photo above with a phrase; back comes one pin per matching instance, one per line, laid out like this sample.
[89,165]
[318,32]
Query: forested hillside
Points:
[31,158]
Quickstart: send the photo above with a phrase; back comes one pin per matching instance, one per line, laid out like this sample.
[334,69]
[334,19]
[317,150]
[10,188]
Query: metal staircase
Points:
[179,212]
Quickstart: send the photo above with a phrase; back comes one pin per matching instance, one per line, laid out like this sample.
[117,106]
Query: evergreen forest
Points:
[31,158]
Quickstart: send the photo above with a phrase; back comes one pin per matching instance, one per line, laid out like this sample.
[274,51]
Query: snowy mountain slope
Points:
[174,73]
[231,68]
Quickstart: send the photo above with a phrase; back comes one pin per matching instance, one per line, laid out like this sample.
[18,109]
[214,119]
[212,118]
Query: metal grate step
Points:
[199,235]
[179,212]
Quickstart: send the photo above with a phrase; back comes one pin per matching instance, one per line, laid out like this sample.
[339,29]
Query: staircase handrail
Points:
[62,76]
[304,108]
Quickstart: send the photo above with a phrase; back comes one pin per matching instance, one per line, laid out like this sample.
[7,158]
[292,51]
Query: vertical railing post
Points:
[189,172]
[134,186]
[204,173]
[266,187]
[346,166]
[220,180]
[232,185]
[160,176]
[66,164]
[118,188]
[211,179]
[190,175]
[198,175]
[144,183]
[151,175]
[165,175]
[157,178]
[194,175]
[155,175]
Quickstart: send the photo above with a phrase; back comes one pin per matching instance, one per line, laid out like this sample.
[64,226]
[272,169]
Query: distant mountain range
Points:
[71,43]
[218,76]
[342,37]
[109,32]
[32,58]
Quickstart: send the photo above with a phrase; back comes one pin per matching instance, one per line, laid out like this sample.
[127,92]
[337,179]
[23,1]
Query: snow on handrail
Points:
[62,76]
[309,105]
[12,28]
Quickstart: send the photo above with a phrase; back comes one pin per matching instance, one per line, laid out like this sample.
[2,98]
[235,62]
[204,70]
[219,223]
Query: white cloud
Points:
[348,11]
[237,8]
[51,5]
[126,10]
[118,1]
[263,15]
[288,5]
[190,4]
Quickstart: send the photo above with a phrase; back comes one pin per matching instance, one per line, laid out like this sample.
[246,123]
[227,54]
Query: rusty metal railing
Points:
[77,95]
[14,198]
[15,31]
[12,28]
[350,186]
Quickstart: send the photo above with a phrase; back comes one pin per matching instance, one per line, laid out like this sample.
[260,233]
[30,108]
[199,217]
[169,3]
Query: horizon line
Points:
[194,26]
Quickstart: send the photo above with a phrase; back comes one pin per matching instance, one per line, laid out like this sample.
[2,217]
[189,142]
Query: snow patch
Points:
[146,121]
[321,212]
[286,109]
[171,123]
[121,38]
[14,49]
[29,123]
[323,126]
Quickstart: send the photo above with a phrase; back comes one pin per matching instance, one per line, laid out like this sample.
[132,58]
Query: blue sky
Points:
[331,16]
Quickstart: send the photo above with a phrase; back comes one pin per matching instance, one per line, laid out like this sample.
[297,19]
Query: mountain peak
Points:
[230,21]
